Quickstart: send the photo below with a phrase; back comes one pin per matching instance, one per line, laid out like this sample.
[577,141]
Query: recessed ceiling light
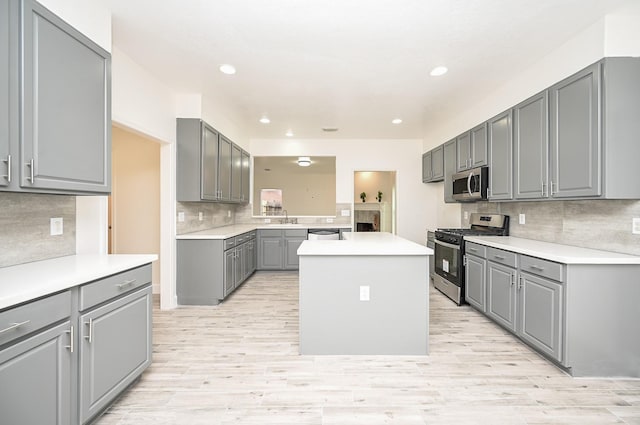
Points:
[396,121]
[227,69]
[438,71]
[304,161]
[289,133]
[265,120]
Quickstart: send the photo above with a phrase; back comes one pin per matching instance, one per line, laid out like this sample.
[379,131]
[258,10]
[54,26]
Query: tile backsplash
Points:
[25,227]
[213,215]
[597,224]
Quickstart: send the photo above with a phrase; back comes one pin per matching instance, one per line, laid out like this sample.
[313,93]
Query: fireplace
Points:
[367,220]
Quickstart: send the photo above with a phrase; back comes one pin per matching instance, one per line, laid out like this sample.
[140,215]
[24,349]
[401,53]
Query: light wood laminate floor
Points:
[238,363]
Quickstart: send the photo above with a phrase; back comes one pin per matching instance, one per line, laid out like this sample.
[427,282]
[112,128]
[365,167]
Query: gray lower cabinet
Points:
[209,270]
[501,294]
[540,308]
[277,248]
[36,359]
[475,281]
[59,96]
[500,157]
[449,170]
[531,148]
[115,348]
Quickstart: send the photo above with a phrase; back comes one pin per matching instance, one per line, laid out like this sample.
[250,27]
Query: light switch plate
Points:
[364,293]
[329,220]
[56,225]
[267,220]
[181,217]
[635,226]
[521,219]
[200,216]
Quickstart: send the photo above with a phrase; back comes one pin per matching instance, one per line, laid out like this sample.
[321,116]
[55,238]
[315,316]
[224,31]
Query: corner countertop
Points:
[564,254]
[364,243]
[26,282]
[238,229]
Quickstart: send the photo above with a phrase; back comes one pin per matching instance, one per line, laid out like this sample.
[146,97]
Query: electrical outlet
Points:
[635,226]
[521,219]
[465,215]
[181,217]
[267,220]
[364,293]
[200,216]
[329,220]
[345,213]
[56,226]
[229,213]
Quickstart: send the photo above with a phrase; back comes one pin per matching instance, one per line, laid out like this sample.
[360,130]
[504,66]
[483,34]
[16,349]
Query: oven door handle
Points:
[447,244]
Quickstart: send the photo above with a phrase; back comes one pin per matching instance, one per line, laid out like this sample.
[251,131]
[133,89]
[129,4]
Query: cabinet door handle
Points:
[551,188]
[542,190]
[14,326]
[520,282]
[31,165]
[125,283]
[8,162]
[90,336]
[71,338]
[513,279]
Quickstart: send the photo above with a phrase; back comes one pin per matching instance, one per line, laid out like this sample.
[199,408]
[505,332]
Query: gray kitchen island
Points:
[367,294]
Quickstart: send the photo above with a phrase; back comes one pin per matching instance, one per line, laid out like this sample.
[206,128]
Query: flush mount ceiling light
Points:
[265,120]
[396,121]
[289,133]
[438,71]
[227,69]
[304,161]
[329,129]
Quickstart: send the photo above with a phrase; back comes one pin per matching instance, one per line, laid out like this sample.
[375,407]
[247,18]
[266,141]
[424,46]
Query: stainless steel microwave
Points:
[471,185]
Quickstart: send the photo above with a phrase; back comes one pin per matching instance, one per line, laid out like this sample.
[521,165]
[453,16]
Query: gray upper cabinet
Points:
[575,135]
[236,173]
[433,165]
[437,163]
[224,168]
[449,170]
[65,108]
[246,177]
[471,148]
[479,146]
[500,157]
[531,147]
[427,171]
[463,151]
[209,167]
[5,99]
[209,163]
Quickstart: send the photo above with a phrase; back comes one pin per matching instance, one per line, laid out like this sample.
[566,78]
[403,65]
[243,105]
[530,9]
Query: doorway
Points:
[375,211]
[134,204]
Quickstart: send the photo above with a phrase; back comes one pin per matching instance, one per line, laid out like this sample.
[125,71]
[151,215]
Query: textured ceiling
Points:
[351,64]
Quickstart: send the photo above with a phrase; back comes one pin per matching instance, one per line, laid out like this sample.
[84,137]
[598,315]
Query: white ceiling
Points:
[351,64]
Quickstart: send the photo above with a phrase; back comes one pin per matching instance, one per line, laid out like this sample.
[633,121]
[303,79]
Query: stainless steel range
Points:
[449,251]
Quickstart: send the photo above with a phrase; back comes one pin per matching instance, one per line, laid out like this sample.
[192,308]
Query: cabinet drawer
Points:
[270,233]
[102,290]
[544,268]
[503,257]
[19,321]
[229,243]
[250,235]
[475,249]
[295,233]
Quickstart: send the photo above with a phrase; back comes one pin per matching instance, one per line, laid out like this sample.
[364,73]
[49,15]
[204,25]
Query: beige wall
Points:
[371,182]
[135,196]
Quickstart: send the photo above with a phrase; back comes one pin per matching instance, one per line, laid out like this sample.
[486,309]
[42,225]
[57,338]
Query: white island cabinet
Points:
[367,294]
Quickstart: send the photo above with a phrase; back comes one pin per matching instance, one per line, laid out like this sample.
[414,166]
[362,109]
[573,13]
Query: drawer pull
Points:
[90,336]
[14,326]
[533,266]
[499,257]
[125,283]
[472,249]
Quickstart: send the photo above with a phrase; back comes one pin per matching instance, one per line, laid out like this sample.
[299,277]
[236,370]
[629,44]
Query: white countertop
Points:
[237,229]
[29,281]
[565,254]
[364,243]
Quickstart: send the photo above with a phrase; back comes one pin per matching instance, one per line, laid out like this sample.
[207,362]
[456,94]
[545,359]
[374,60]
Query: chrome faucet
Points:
[286,217]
